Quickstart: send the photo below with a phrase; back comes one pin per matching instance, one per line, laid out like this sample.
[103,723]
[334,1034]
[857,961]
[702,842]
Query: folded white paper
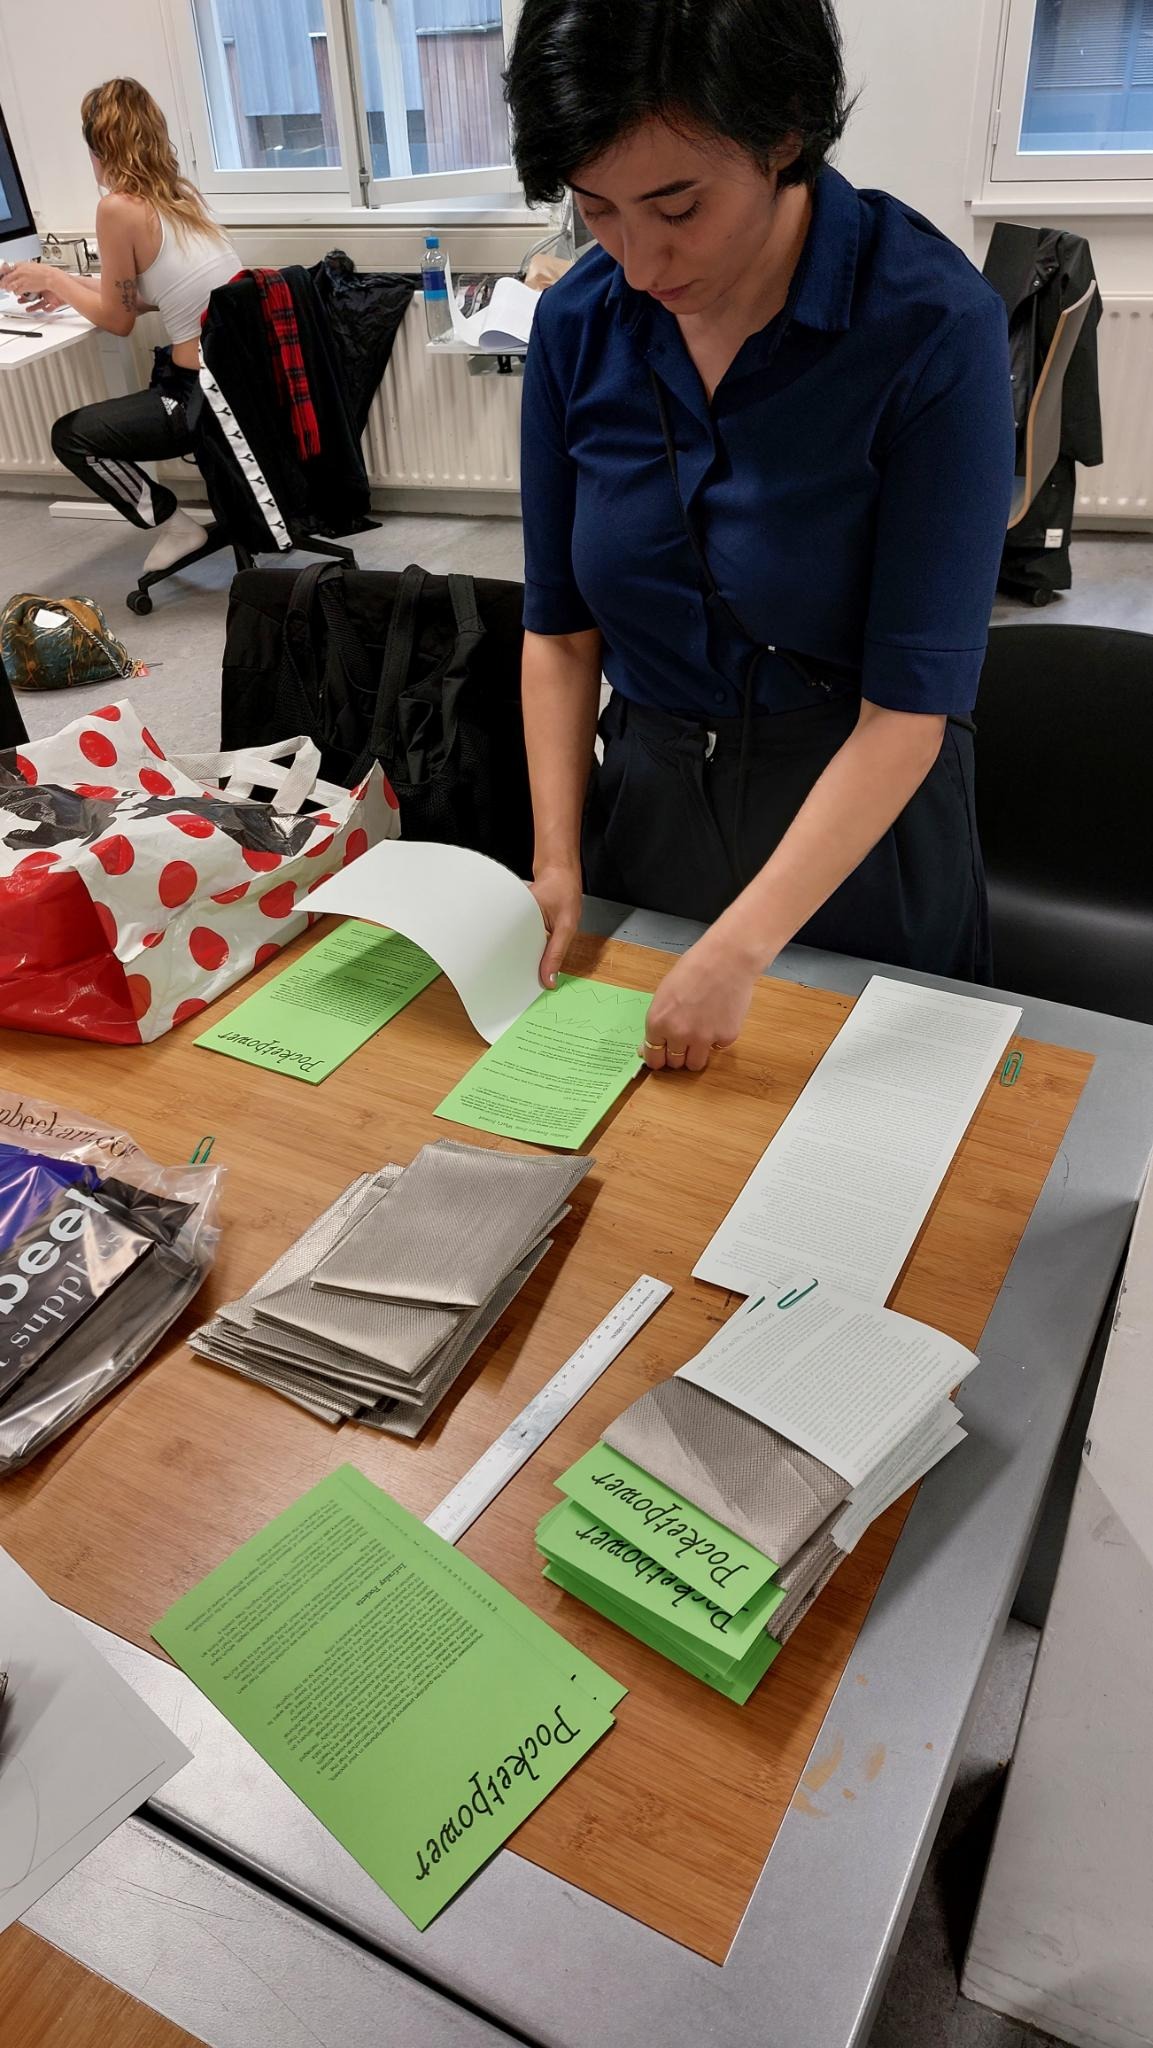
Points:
[506,321]
[844,1380]
[916,1454]
[478,921]
[847,1182]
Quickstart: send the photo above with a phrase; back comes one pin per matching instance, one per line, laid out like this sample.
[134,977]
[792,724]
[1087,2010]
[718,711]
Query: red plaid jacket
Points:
[287,358]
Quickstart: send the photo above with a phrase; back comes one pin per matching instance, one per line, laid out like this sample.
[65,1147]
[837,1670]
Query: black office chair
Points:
[1065,809]
[216,537]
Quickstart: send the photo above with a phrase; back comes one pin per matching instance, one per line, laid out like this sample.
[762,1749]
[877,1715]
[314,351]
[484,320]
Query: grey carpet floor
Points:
[182,642]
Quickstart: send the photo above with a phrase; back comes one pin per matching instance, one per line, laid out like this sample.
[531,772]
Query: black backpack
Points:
[418,672]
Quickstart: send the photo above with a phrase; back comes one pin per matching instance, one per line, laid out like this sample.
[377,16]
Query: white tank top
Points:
[181,279]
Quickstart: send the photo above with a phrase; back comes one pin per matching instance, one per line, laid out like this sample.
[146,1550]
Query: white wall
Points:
[915,63]
[56,50]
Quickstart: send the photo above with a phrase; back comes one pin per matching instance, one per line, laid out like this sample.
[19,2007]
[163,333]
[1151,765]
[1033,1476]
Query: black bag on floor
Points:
[418,672]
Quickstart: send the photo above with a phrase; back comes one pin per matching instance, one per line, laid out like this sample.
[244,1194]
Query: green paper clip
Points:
[1012,1068]
[202,1153]
[795,1295]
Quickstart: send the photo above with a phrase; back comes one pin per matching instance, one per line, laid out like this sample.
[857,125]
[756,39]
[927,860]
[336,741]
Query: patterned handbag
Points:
[134,888]
[56,643]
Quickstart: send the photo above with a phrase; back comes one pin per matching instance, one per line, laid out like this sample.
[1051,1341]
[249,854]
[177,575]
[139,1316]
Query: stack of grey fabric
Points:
[373,1314]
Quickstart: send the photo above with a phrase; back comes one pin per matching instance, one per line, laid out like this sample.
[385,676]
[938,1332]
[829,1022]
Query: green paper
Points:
[311,1018]
[578,1541]
[420,1729]
[714,1562]
[553,1075]
[737,1683]
[574,1666]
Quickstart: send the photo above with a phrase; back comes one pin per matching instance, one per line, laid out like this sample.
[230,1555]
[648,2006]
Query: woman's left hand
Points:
[699,1007]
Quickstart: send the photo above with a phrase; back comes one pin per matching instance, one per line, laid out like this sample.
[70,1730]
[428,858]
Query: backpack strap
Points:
[403,627]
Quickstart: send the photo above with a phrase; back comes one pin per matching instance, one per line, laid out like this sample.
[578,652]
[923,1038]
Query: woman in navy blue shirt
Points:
[767,460]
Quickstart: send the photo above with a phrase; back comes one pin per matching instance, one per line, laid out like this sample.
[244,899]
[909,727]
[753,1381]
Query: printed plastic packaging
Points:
[101,1249]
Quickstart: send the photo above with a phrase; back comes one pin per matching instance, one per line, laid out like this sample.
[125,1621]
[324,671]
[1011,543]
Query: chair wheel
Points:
[139,601]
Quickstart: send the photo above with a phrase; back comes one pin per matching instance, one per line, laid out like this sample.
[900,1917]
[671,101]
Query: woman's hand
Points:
[27,280]
[700,1005]
[559,891]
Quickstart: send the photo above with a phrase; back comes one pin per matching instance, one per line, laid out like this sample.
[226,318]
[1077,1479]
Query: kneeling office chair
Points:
[1065,809]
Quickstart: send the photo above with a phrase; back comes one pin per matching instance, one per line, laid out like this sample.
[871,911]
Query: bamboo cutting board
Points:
[672,1816]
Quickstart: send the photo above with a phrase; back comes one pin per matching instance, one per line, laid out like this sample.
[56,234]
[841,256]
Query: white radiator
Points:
[436,427]
[433,427]
[32,397]
[1122,489]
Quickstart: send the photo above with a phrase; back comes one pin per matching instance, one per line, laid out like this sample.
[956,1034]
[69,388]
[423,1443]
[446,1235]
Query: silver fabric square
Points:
[458,1220]
[746,1476]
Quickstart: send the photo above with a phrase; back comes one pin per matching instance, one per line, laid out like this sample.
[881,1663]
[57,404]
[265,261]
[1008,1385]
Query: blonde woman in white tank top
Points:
[160,251]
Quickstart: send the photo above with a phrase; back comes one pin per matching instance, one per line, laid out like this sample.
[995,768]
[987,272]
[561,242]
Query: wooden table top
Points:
[671,1818]
[49,2001]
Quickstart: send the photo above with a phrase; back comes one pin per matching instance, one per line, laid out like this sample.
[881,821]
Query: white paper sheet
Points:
[847,1182]
[841,1378]
[916,1454]
[479,921]
[79,1751]
[44,332]
[505,321]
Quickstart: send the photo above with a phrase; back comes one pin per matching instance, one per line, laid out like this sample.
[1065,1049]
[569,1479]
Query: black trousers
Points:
[660,832]
[98,443]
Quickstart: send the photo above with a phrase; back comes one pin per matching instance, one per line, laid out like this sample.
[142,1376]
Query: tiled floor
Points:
[182,643]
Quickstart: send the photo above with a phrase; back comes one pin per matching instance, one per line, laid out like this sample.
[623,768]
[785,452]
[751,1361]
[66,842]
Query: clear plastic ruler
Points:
[492,1471]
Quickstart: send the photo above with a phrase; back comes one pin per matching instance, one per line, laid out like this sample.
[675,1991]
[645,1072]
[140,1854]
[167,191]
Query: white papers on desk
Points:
[849,1178]
[841,1378]
[478,921]
[44,332]
[506,321]
[79,1751]
[915,1455]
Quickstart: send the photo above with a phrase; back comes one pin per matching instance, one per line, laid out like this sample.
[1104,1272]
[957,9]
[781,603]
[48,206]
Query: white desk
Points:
[50,333]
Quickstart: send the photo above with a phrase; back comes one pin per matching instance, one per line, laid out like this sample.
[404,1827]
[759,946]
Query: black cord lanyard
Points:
[758,648]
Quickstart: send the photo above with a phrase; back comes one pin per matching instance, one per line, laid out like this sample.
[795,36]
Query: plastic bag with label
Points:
[101,1249]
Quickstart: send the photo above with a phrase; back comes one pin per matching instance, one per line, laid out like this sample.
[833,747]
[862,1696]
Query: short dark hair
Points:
[584,73]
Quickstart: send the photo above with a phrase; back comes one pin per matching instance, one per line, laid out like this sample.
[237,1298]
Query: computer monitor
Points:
[18,237]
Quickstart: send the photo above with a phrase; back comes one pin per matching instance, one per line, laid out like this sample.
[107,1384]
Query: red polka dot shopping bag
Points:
[135,888]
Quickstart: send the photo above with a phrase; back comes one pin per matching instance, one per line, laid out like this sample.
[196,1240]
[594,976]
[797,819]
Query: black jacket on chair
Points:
[364,310]
[1039,272]
[324,494]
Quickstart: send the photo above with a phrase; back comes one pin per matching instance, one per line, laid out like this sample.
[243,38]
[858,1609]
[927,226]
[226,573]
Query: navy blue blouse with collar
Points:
[851,479]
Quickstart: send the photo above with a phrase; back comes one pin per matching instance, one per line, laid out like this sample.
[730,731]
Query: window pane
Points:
[268,84]
[432,81]
[1090,77]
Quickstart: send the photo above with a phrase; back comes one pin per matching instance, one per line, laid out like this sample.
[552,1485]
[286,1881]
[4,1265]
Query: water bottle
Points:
[434,282]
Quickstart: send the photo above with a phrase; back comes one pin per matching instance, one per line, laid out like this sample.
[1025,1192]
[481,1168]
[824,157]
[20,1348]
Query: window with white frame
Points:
[359,101]
[1075,99]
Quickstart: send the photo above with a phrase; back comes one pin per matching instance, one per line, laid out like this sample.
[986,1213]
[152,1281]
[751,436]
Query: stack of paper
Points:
[419,1710]
[765,1460]
[373,1314]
